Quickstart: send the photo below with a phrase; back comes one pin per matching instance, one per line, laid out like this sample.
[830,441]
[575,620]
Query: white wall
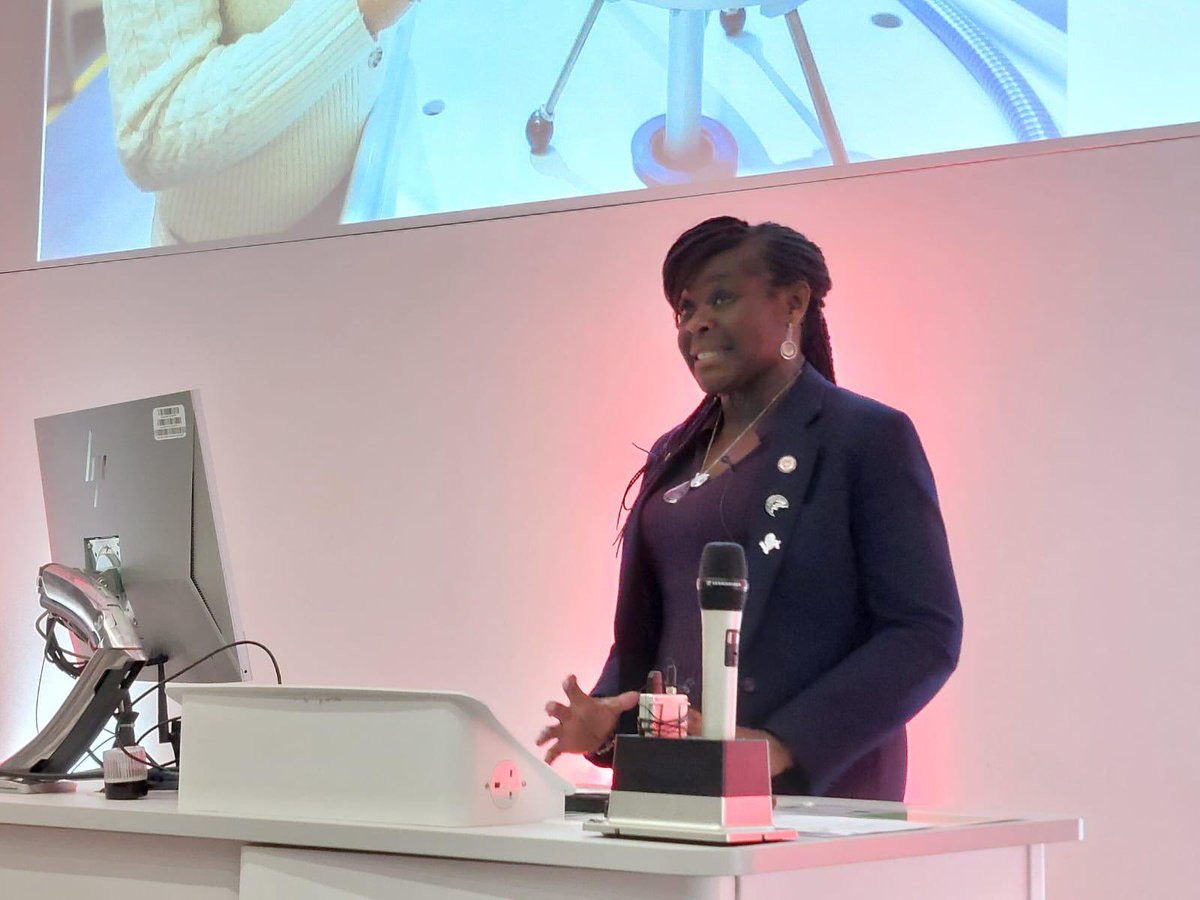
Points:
[419,439]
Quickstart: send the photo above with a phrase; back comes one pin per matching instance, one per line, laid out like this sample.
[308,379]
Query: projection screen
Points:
[174,122]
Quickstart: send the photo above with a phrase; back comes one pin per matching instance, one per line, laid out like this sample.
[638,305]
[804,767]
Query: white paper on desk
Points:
[841,826]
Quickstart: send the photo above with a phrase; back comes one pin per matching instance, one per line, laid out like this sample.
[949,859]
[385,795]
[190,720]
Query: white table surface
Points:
[552,843]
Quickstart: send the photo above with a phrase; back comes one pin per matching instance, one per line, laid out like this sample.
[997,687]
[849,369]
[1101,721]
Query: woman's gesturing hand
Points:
[585,723]
[379,14]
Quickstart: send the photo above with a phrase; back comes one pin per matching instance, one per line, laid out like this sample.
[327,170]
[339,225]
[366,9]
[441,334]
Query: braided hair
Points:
[789,257]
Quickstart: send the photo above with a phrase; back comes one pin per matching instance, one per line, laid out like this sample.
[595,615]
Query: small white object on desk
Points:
[841,826]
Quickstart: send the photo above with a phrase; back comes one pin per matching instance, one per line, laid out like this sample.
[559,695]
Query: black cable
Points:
[57,655]
[94,774]
[154,763]
[89,775]
[86,775]
[185,669]
[53,652]
[160,683]
[148,761]
[91,751]
[154,727]
[37,697]
[657,723]
[37,625]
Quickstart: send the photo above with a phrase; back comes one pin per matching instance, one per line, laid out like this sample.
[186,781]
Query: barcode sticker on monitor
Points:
[170,422]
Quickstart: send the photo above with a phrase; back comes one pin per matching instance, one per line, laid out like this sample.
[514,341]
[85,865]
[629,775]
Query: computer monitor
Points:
[125,487]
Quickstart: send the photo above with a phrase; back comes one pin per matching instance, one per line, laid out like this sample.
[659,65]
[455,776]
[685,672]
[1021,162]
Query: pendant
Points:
[698,479]
[675,494]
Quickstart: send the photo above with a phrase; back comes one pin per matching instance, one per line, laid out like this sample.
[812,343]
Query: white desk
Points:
[83,845]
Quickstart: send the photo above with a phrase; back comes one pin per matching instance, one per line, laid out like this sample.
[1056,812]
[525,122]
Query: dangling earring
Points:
[789,349]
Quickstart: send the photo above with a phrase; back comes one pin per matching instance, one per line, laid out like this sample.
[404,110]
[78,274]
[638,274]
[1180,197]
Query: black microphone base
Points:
[691,789]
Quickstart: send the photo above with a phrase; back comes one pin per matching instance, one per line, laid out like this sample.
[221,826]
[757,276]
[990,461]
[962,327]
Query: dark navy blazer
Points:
[854,624]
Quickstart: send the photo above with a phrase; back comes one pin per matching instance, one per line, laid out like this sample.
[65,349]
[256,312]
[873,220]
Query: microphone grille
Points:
[723,559]
[722,582]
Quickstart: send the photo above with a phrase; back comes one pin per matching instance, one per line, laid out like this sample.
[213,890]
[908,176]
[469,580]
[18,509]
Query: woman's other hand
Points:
[779,755]
[585,723]
[380,14]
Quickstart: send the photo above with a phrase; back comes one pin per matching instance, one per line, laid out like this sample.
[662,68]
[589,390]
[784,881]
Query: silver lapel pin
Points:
[769,543]
[787,464]
[775,503]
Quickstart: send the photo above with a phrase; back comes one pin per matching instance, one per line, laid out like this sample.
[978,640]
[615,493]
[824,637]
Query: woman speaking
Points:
[853,621]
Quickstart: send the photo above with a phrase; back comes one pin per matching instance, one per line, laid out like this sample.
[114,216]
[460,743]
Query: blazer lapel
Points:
[791,437]
[793,446]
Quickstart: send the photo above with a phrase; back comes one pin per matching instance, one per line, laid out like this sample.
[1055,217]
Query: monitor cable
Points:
[98,774]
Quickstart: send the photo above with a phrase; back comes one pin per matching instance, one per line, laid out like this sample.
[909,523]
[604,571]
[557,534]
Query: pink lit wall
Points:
[418,441]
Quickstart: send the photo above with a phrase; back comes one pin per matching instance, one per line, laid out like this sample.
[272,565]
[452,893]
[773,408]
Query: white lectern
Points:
[308,793]
[357,754]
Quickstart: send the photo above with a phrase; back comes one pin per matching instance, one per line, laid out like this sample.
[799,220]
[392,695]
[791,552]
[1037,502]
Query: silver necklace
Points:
[675,494]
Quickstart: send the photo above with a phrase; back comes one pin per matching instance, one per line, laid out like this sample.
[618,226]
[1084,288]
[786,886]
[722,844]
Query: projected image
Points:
[181,121]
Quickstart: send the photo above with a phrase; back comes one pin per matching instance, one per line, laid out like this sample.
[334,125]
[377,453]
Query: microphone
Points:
[722,585]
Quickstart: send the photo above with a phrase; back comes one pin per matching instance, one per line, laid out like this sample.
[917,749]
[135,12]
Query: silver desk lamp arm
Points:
[97,615]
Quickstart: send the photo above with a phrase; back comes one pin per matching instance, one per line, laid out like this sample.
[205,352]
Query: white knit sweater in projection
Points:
[241,114]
